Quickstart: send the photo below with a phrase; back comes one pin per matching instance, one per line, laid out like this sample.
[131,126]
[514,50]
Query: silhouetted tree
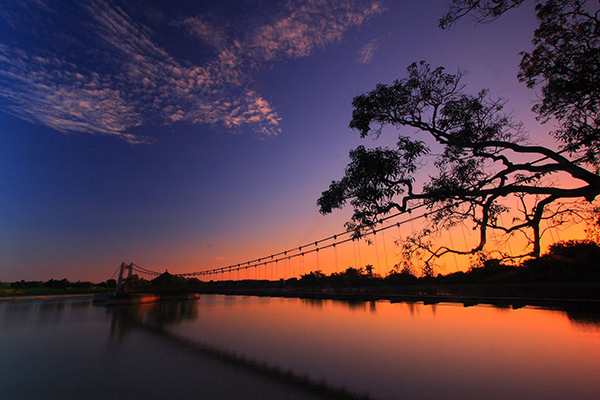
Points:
[565,64]
[56,284]
[478,150]
[353,273]
[481,10]
[401,276]
[27,284]
[313,278]
[135,284]
[582,249]
[573,260]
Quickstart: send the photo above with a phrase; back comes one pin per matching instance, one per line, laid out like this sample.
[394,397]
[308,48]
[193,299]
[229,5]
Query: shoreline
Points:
[514,302]
[45,297]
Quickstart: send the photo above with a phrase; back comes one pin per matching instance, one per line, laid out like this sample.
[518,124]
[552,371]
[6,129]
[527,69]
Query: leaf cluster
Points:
[566,65]
[482,11]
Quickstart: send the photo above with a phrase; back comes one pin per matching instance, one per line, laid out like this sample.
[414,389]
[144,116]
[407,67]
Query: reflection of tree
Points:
[156,317]
[46,312]
[588,320]
[262,369]
[313,303]
[51,312]
[353,305]
[160,314]
[15,314]
[373,306]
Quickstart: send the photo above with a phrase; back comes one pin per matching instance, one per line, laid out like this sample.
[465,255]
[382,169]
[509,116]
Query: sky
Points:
[190,135]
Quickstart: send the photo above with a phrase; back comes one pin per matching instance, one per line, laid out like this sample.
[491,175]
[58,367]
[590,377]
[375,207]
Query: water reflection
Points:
[313,303]
[373,306]
[581,317]
[81,304]
[352,305]
[587,320]
[414,310]
[296,348]
[156,318]
[51,313]
[46,312]
[125,319]
[408,350]
[15,314]
[67,360]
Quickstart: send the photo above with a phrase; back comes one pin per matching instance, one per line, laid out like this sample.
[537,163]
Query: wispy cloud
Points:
[307,27]
[106,74]
[368,51]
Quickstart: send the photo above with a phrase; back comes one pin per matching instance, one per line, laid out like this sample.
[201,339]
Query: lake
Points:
[242,347]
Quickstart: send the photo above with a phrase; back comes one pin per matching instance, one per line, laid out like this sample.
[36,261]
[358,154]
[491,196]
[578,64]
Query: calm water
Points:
[234,347]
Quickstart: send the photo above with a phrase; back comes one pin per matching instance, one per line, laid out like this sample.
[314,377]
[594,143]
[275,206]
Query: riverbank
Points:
[47,297]
[514,296]
[103,299]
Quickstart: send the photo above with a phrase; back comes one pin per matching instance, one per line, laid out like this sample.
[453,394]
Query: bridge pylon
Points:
[120,281]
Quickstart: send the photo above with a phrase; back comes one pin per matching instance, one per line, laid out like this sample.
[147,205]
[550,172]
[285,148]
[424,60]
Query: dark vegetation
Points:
[488,175]
[54,287]
[572,261]
[569,269]
[564,271]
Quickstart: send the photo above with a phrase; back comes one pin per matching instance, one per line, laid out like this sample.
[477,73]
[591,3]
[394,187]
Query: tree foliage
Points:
[481,10]
[481,156]
[564,65]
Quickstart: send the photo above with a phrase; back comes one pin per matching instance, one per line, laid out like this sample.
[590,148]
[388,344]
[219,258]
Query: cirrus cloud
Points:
[105,72]
[368,51]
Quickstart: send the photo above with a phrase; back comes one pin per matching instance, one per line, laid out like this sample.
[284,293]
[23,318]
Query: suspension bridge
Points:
[279,264]
[331,243]
[397,220]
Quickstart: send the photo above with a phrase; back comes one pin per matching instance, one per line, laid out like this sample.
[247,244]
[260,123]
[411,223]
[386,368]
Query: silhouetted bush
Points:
[55,284]
[573,260]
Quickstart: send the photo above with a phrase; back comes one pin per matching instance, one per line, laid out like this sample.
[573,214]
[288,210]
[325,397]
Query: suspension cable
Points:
[311,247]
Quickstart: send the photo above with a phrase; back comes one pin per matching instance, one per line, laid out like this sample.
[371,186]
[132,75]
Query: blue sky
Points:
[191,135]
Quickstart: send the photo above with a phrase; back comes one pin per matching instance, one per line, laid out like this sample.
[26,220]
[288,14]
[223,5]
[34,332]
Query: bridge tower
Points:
[122,269]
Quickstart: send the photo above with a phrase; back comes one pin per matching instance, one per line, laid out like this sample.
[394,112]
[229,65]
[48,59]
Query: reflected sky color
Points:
[391,351]
[411,350]
[189,135]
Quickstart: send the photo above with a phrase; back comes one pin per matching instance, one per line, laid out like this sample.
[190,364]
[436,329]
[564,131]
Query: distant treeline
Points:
[54,286]
[570,270]
[569,262]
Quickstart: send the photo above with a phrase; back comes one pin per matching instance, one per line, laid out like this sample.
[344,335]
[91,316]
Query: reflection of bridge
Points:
[155,318]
